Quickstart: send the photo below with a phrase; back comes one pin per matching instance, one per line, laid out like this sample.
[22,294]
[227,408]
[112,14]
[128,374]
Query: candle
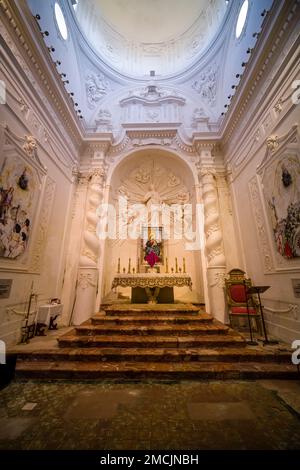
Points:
[184,265]
[167,267]
[118,265]
[176,265]
[129,265]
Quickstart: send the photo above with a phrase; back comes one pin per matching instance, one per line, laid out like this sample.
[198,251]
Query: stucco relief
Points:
[96,87]
[168,186]
[206,85]
[280,179]
[86,280]
[103,121]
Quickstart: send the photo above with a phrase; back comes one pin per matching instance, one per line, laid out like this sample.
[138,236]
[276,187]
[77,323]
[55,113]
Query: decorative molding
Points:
[51,91]
[30,146]
[260,223]
[150,105]
[291,308]
[272,142]
[86,280]
[40,239]
[219,280]
[262,79]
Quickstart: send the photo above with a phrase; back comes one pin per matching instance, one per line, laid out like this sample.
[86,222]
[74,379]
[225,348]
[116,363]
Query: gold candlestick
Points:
[118,265]
[176,265]
[184,265]
[167,266]
[129,265]
[138,266]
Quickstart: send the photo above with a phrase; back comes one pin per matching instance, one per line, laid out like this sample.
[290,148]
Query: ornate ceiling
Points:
[136,36]
[105,59]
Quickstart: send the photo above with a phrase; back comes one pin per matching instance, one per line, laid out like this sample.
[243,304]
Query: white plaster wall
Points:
[47,281]
[244,155]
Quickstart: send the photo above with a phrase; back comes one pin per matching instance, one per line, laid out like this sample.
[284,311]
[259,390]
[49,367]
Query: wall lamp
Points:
[45,33]
[51,49]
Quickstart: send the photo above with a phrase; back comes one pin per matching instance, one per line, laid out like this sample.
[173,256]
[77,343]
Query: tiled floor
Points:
[150,415]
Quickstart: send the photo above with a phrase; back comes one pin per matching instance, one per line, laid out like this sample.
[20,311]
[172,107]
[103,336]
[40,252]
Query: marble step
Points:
[160,330]
[130,341]
[154,370]
[247,354]
[150,319]
[157,309]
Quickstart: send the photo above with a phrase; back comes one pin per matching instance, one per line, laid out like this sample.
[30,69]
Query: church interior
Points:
[149,224]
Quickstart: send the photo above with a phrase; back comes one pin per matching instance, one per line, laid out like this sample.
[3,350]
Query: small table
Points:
[46,316]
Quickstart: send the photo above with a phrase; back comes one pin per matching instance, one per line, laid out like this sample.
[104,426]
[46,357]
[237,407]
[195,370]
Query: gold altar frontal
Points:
[152,282]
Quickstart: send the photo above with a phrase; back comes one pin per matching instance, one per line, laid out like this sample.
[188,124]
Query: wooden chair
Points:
[236,287]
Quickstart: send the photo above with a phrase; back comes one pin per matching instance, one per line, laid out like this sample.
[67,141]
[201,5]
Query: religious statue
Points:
[152,197]
[152,251]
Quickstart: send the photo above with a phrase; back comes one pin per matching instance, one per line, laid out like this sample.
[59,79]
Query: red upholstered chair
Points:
[236,286]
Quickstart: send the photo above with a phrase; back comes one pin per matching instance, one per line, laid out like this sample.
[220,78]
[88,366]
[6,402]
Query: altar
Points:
[152,283]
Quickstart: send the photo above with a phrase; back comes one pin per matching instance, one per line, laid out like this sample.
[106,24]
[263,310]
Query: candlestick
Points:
[129,265]
[167,266]
[133,270]
[118,265]
[124,270]
[138,266]
[176,265]
[184,265]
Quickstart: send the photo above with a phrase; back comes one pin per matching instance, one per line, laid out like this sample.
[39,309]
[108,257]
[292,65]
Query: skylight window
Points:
[60,20]
[241,19]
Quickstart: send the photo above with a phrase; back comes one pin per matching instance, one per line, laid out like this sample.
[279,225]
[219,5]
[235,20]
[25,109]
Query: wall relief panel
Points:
[278,196]
[23,188]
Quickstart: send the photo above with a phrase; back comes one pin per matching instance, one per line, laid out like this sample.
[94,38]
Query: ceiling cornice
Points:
[275,31]
[24,30]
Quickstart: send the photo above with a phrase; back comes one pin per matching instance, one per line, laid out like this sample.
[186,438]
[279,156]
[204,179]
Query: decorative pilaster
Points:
[87,278]
[214,251]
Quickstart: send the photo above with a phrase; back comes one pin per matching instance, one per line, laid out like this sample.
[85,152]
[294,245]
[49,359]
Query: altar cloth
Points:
[152,280]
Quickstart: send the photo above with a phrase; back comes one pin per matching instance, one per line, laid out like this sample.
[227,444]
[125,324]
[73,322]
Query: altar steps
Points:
[170,342]
[172,318]
[165,329]
[225,354]
[152,309]
[131,341]
[77,370]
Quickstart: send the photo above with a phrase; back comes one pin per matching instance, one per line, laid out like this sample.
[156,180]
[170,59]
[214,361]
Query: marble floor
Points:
[150,415]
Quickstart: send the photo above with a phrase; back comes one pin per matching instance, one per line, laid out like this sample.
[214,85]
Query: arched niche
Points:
[172,177]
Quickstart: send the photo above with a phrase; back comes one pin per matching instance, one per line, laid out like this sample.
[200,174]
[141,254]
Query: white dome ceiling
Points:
[136,36]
